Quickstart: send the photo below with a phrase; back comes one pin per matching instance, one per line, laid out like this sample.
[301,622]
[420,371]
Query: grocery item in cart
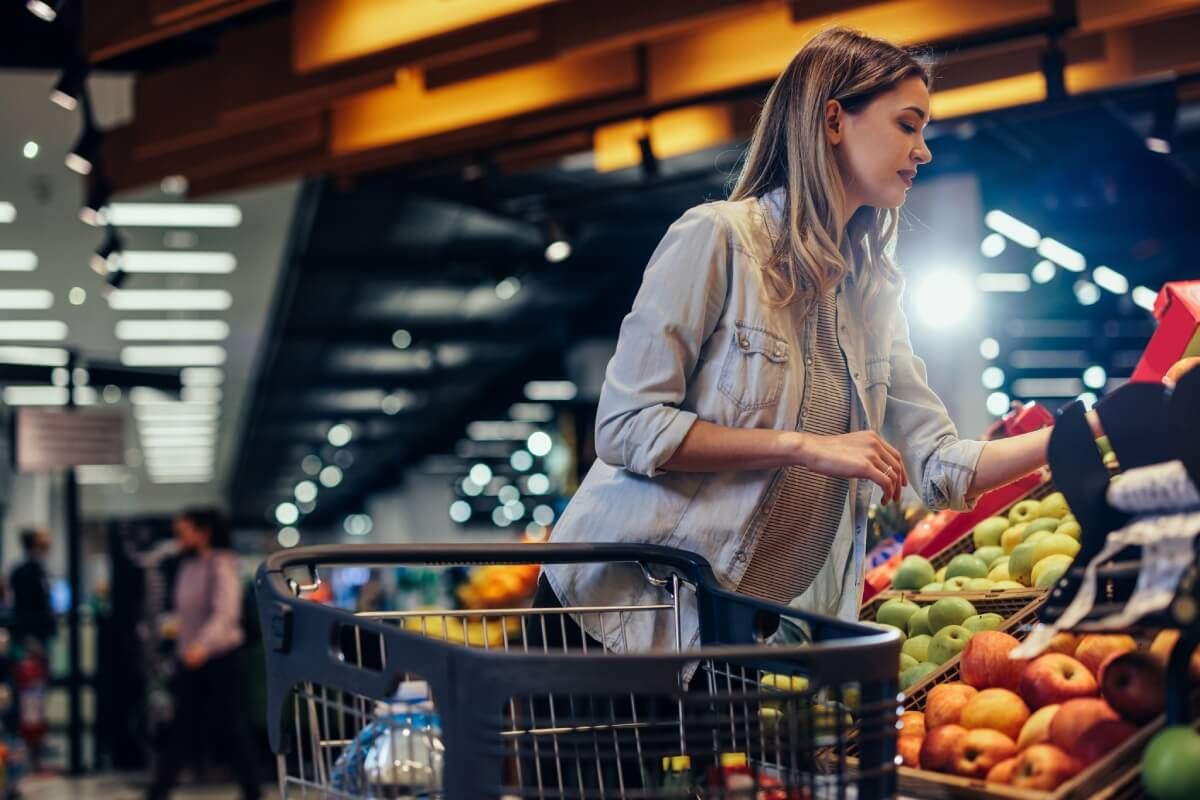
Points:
[400,754]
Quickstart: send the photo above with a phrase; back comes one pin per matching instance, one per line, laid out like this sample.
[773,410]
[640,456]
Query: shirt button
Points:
[744,343]
[810,362]
[740,555]
[779,351]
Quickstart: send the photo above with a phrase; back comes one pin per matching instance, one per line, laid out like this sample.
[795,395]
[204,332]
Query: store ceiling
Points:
[46,198]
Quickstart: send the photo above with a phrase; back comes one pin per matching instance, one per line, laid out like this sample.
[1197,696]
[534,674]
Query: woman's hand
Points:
[862,454]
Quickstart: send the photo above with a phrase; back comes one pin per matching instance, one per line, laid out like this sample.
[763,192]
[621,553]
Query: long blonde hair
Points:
[790,149]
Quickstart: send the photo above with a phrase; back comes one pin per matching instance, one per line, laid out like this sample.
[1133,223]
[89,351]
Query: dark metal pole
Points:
[75,582]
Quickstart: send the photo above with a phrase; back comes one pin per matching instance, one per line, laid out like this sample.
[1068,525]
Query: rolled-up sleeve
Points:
[640,422]
[939,463]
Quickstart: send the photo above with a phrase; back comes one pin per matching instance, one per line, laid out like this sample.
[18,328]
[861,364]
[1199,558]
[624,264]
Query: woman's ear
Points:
[833,121]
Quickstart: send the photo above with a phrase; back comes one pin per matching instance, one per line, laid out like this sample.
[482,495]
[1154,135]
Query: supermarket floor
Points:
[123,787]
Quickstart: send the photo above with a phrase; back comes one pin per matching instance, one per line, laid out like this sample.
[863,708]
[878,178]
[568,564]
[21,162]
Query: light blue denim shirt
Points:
[702,343]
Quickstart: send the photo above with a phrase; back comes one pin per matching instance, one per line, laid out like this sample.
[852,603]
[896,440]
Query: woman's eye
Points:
[908,128]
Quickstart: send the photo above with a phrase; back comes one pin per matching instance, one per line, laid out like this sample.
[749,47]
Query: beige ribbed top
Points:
[799,533]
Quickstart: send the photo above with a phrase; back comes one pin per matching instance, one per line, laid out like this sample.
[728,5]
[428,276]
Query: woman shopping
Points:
[764,387]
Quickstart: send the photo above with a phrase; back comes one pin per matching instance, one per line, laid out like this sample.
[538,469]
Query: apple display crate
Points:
[1008,603]
[532,715]
[1114,777]
[966,544]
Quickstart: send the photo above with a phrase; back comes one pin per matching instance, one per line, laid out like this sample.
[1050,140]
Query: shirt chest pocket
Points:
[755,365]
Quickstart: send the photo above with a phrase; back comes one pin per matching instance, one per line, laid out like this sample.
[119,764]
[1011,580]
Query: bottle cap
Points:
[733,759]
[677,763]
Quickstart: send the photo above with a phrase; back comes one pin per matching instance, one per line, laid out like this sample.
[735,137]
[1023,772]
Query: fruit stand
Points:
[1087,690]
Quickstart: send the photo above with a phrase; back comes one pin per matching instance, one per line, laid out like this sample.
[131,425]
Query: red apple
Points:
[1003,772]
[1043,766]
[1063,642]
[997,709]
[1037,729]
[909,749]
[981,750]
[1095,647]
[940,748]
[1074,718]
[1101,739]
[945,702]
[1055,678]
[912,723]
[985,663]
[1134,684]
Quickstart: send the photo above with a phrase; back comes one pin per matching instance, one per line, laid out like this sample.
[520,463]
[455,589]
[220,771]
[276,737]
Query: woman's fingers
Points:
[891,489]
[881,479]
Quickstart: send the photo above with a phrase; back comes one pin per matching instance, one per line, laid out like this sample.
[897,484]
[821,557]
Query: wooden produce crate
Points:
[1005,602]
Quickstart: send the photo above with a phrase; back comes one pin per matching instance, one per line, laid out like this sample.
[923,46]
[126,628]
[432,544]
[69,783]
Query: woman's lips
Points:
[907,178]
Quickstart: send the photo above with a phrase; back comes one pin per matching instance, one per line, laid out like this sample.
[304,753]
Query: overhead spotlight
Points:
[68,91]
[558,249]
[95,207]
[108,254]
[86,152]
[47,10]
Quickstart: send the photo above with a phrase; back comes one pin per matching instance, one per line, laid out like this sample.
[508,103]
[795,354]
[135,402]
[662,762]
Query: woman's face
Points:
[879,148]
[190,537]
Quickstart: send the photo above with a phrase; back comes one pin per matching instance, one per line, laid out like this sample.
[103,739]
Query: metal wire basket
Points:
[519,706]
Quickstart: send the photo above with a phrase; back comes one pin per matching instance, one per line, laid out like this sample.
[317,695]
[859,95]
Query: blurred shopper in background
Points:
[209,684]
[32,615]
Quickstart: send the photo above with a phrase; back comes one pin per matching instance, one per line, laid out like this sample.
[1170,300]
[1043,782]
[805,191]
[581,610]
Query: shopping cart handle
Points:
[691,566]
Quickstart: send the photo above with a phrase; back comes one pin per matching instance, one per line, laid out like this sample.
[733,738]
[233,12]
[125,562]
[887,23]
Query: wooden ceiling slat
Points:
[115,27]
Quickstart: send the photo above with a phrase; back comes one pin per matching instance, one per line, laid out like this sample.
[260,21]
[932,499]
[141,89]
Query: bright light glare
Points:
[481,474]
[992,245]
[1144,298]
[943,298]
[1062,255]
[460,511]
[1044,271]
[539,443]
[993,378]
[1003,282]
[1013,228]
[998,404]
[989,348]
[1108,278]
[340,435]
[1086,292]
[1094,377]
[287,513]
[182,215]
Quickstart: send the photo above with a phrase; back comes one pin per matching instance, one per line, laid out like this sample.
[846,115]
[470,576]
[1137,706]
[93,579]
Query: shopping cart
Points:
[522,710]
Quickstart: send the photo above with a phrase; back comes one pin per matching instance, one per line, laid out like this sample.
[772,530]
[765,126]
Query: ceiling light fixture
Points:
[184,215]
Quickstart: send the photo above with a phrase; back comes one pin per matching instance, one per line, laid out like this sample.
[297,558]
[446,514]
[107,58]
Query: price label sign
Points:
[51,440]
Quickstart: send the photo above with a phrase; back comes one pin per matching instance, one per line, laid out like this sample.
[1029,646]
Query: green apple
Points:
[1023,511]
[947,643]
[987,533]
[896,613]
[930,588]
[1041,524]
[1013,536]
[907,661]
[917,647]
[989,554]
[949,611]
[913,573]
[940,575]
[967,566]
[958,584]
[983,622]
[914,675]
[1171,764]
[979,585]
[1070,528]
[1009,584]
[1020,563]
[918,623]
[1049,571]
[1054,505]
[1053,544]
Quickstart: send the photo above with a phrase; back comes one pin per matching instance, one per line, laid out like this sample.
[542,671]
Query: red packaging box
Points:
[1177,309]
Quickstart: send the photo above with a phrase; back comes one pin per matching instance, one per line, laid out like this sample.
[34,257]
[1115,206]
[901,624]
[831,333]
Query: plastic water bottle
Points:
[399,755]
